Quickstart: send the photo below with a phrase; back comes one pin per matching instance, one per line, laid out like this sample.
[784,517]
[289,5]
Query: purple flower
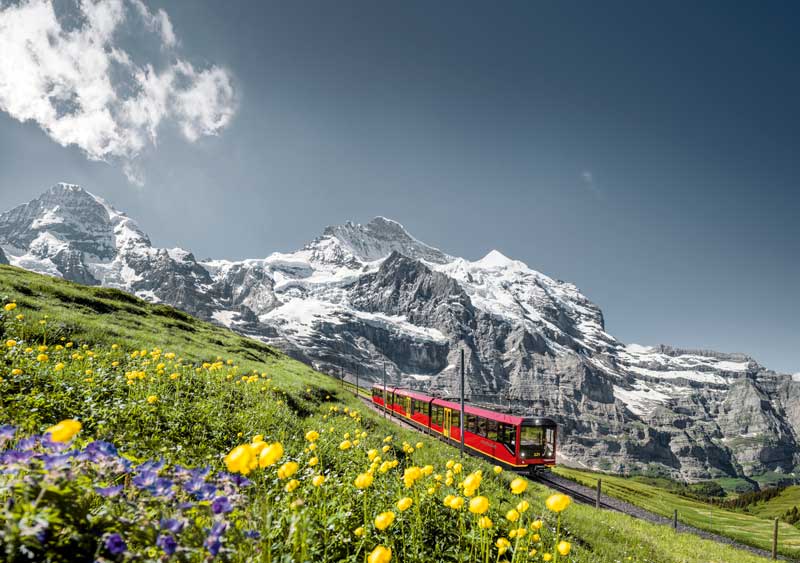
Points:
[213,544]
[162,488]
[115,544]
[7,433]
[56,461]
[172,525]
[167,543]
[200,490]
[145,479]
[221,505]
[109,492]
[28,443]
[252,534]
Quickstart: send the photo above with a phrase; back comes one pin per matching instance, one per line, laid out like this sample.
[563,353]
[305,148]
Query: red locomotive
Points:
[519,443]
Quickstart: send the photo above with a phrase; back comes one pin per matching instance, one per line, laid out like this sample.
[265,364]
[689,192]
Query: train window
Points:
[507,435]
[471,424]
[532,441]
[550,443]
[437,415]
[491,430]
[481,430]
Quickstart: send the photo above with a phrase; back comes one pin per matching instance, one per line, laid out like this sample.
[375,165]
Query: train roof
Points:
[471,409]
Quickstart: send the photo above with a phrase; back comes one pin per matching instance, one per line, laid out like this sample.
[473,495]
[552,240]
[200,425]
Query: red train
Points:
[519,443]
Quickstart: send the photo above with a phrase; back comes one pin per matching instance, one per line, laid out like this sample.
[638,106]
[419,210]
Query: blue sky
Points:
[647,152]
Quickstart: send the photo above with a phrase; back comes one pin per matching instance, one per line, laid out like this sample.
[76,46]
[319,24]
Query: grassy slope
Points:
[777,506]
[198,424]
[741,526]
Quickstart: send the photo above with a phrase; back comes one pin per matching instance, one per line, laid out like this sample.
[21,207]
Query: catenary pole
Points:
[461,413]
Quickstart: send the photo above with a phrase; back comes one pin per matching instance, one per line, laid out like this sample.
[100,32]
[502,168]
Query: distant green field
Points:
[779,505]
[746,528]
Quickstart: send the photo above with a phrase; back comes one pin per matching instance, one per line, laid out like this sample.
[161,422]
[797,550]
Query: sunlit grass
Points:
[345,485]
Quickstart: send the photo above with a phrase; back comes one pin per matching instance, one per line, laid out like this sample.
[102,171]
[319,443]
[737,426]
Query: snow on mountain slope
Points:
[370,296]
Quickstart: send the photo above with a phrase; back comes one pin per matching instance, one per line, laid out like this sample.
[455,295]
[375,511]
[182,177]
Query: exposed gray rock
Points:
[372,297]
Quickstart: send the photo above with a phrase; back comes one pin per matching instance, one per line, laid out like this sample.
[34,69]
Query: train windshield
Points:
[537,441]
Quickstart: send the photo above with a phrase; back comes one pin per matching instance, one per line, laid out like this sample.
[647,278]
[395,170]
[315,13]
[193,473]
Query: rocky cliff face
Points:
[368,296]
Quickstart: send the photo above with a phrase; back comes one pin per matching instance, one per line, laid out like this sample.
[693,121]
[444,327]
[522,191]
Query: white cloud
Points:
[84,89]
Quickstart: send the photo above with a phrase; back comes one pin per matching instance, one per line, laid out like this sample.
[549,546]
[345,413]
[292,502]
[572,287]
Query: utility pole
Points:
[461,414]
[384,389]
[775,540]
[597,498]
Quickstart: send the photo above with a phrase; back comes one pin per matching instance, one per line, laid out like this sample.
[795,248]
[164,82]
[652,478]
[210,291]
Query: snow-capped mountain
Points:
[369,296]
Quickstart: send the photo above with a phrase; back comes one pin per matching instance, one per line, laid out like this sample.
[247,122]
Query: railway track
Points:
[585,495]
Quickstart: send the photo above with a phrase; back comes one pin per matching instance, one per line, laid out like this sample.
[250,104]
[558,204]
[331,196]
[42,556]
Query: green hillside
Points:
[751,529]
[778,506]
[316,474]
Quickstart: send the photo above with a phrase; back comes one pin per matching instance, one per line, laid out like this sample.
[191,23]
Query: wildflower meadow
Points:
[115,451]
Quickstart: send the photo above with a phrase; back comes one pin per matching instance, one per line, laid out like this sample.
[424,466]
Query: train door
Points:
[408,407]
[448,416]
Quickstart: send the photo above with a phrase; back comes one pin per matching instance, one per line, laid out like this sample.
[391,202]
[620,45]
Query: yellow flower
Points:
[363,481]
[312,447]
[313,461]
[502,545]
[456,503]
[557,502]
[318,480]
[547,557]
[457,468]
[497,470]
[42,358]
[372,454]
[64,431]
[16,371]
[419,445]
[384,520]
[484,523]
[270,455]
[512,515]
[152,399]
[520,532]
[287,469]
[312,435]
[518,486]
[404,504]
[359,532]
[11,343]
[471,484]
[257,438]
[450,463]
[536,537]
[563,547]
[292,485]
[10,307]
[479,505]
[536,524]
[523,506]
[346,445]
[59,366]
[386,449]
[239,460]
[380,555]
[411,475]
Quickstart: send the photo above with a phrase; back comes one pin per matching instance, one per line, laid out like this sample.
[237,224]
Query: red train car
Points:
[516,442]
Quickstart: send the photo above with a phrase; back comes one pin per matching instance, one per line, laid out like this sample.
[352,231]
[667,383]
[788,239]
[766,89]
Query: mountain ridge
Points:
[373,295]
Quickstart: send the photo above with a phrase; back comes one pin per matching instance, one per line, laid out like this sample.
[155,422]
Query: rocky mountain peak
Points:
[375,297]
[379,238]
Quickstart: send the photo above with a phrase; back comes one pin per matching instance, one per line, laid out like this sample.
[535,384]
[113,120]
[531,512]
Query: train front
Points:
[538,442]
